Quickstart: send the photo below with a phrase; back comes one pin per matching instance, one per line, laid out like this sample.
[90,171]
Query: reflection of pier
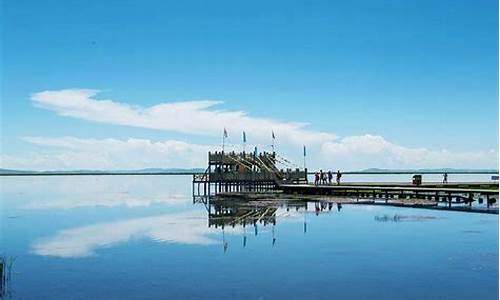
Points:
[224,213]
[249,217]
[220,215]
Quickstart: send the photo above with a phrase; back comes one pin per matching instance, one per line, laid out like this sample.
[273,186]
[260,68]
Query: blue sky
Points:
[405,79]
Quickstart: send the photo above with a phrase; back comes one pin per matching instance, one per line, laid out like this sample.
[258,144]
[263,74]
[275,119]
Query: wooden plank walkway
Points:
[489,184]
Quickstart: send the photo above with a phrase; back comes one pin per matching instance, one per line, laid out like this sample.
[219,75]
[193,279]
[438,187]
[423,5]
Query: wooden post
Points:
[194,176]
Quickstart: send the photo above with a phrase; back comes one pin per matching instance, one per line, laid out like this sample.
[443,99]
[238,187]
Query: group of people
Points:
[321,205]
[326,177]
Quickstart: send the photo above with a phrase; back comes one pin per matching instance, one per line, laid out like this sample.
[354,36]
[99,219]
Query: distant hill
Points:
[102,172]
[434,170]
[9,171]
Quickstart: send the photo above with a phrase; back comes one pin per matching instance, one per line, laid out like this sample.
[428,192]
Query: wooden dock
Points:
[451,193]
[237,173]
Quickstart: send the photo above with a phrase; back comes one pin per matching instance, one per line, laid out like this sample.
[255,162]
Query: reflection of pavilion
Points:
[220,215]
[234,212]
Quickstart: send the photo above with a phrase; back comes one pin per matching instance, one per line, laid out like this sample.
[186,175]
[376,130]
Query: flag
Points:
[272,133]
[304,150]
[225,132]
[244,137]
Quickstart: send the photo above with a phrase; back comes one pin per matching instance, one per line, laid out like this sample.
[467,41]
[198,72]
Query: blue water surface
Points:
[142,237]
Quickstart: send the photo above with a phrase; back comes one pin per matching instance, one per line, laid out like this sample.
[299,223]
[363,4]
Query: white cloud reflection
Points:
[188,228]
[69,192]
[110,200]
[184,228]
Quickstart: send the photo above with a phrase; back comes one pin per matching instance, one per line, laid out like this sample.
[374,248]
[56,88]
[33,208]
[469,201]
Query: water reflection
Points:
[50,193]
[192,228]
[402,218]
[210,226]
[6,263]
[184,228]
[259,215]
[298,248]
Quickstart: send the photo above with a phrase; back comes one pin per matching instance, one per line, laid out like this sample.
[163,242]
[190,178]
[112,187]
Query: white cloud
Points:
[191,117]
[358,152]
[325,150]
[349,153]
[77,153]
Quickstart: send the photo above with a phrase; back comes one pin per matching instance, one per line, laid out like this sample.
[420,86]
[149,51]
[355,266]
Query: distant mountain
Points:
[9,171]
[98,172]
[169,170]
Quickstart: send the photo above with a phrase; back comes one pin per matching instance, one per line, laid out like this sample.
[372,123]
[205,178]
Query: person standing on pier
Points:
[330,177]
[316,178]
[445,178]
[338,176]
[321,176]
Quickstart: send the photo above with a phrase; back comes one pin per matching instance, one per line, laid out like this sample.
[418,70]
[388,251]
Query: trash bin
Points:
[417,179]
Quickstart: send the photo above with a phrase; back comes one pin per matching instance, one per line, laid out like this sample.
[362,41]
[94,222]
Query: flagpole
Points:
[224,135]
[304,157]
[223,140]
[273,138]
[244,141]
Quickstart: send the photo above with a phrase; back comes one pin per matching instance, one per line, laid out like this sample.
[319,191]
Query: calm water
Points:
[135,237]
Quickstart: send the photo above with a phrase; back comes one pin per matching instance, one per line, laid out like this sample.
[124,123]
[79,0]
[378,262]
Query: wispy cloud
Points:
[202,118]
[191,117]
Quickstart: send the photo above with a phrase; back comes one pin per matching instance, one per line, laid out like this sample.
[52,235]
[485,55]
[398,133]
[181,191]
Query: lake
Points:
[142,237]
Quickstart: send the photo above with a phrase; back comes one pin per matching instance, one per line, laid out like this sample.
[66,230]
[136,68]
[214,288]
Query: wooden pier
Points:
[257,173]
[454,193]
